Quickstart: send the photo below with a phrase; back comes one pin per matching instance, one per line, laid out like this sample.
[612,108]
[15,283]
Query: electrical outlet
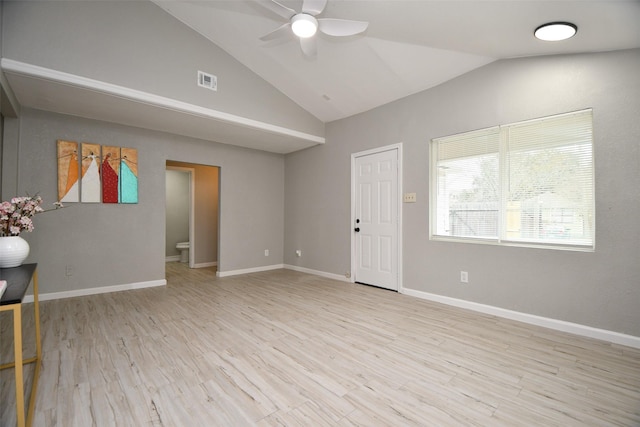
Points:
[409,197]
[68,270]
[298,253]
[266,252]
[464,277]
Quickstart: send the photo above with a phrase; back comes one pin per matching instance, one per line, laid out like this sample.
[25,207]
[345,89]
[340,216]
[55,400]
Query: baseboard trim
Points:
[317,273]
[95,291]
[176,258]
[558,325]
[249,270]
[205,264]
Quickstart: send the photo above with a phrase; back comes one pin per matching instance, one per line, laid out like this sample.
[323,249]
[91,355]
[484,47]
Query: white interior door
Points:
[376,218]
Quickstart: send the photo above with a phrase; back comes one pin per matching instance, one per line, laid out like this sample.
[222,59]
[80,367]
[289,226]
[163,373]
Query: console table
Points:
[18,280]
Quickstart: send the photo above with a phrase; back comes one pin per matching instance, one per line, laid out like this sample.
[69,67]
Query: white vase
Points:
[13,251]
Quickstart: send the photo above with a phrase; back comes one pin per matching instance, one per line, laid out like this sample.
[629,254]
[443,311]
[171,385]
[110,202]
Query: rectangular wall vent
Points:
[208,81]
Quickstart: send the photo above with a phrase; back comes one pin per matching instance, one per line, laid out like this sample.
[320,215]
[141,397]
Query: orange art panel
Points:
[68,173]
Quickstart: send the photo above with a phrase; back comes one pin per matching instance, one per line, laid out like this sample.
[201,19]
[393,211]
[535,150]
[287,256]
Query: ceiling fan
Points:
[305,24]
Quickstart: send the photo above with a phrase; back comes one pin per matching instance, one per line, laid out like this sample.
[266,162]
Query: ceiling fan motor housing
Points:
[304,25]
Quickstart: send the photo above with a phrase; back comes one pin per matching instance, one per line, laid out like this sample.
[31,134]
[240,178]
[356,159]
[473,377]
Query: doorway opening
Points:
[192,214]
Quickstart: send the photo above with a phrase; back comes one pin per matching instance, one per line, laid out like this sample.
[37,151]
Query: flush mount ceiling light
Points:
[555,31]
[304,25]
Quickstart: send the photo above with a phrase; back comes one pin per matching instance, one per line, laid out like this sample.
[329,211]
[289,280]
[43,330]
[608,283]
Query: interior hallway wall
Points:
[114,244]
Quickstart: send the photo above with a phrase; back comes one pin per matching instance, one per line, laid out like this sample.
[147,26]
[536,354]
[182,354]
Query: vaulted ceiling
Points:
[408,47]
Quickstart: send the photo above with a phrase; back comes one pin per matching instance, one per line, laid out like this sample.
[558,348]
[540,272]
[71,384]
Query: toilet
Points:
[183,247]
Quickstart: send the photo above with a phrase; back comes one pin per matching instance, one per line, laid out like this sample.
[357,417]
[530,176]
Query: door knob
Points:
[357,229]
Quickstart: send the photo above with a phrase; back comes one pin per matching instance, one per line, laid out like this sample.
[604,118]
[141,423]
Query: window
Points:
[528,183]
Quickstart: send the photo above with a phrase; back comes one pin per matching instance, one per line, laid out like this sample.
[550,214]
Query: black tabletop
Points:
[18,279]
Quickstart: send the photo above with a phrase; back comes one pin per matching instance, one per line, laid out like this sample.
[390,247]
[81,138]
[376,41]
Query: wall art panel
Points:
[68,166]
[110,174]
[90,182]
[128,175]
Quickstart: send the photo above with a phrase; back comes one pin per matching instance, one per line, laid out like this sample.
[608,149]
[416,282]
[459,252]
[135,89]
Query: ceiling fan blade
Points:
[279,9]
[309,47]
[341,27]
[281,31]
[313,7]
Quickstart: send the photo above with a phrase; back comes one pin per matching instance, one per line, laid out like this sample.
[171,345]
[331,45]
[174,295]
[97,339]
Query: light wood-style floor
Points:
[287,348]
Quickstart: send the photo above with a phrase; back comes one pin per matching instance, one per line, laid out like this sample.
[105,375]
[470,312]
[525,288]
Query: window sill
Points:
[512,243]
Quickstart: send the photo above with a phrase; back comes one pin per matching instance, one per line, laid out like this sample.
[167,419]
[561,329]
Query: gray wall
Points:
[599,289]
[138,45]
[177,205]
[123,244]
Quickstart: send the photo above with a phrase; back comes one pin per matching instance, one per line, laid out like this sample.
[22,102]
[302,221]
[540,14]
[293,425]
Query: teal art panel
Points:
[128,176]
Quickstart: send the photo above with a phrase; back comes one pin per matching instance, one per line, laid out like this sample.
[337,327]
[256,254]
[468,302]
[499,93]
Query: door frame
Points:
[192,217]
[398,149]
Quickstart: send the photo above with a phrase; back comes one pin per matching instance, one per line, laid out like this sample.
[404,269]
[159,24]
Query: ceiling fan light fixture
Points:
[555,31]
[304,25]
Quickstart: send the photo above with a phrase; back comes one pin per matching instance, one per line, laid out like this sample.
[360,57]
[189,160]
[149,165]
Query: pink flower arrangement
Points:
[15,215]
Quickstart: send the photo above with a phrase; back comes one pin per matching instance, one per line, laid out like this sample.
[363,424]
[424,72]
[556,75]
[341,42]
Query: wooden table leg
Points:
[17,343]
[36,307]
[38,358]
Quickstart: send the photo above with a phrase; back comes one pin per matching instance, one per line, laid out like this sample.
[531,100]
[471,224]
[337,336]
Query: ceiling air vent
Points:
[207,80]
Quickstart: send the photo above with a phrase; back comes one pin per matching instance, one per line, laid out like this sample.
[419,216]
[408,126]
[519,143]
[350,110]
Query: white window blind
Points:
[525,183]
[468,193]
